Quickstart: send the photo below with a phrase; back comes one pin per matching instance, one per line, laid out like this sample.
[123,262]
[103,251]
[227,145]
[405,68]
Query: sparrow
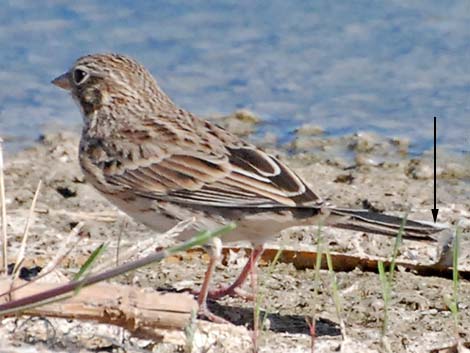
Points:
[161,164]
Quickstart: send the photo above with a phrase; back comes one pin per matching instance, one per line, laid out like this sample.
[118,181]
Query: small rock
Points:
[364,142]
[246,116]
[364,160]
[306,143]
[309,130]
[417,170]
[455,170]
[241,122]
[344,178]
[402,143]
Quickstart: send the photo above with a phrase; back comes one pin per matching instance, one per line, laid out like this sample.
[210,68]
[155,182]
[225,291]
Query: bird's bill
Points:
[62,81]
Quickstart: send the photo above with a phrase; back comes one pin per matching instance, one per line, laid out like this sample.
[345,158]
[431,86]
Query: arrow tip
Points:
[435,211]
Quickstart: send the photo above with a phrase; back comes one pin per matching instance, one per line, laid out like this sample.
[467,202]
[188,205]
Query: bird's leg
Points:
[234,289]
[215,254]
[254,291]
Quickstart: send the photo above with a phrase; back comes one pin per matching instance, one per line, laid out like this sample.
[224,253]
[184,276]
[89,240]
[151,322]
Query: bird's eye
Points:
[79,76]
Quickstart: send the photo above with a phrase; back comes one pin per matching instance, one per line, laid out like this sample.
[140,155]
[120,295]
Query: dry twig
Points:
[145,247]
[29,220]
[64,250]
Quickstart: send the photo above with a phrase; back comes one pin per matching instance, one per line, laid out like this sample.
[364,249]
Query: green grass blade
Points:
[334,285]
[90,261]
[201,238]
[396,246]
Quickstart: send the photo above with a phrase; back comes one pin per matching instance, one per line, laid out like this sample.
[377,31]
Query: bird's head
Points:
[110,80]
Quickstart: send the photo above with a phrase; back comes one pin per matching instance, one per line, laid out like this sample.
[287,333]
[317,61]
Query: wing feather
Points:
[244,177]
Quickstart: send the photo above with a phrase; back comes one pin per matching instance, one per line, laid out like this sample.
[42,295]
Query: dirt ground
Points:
[358,171]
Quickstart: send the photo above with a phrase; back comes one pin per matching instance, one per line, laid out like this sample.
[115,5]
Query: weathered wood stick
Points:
[135,309]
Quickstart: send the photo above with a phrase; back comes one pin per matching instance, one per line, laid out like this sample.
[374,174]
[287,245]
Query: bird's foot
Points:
[209,315]
[230,291]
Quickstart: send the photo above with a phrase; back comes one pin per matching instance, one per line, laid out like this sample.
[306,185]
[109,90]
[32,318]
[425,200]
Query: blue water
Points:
[383,66]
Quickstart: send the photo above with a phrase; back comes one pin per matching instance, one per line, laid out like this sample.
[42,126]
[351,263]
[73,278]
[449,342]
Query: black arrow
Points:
[435,210]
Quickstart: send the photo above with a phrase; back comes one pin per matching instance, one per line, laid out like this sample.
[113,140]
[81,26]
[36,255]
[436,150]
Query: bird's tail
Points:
[378,223]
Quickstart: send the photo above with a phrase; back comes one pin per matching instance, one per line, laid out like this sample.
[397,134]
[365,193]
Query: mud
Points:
[363,170]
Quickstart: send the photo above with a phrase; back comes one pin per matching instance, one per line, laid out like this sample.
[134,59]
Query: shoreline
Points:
[305,138]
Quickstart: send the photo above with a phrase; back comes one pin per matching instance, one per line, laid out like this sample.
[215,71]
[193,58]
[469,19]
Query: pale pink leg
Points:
[234,289]
[202,295]
[254,291]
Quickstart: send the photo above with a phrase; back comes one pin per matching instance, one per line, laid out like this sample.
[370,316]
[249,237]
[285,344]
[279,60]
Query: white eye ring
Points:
[79,76]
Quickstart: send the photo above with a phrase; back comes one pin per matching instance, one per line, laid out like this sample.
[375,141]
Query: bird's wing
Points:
[239,177]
